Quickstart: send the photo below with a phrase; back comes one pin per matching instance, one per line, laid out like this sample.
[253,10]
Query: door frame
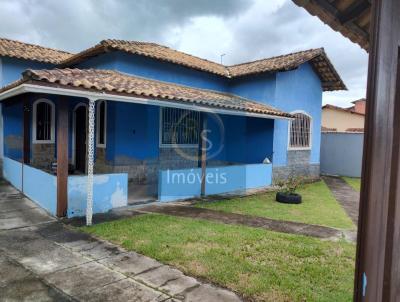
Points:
[74,133]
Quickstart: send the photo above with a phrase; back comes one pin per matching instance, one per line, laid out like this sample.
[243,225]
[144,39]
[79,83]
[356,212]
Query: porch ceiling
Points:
[350,17]
[111,83]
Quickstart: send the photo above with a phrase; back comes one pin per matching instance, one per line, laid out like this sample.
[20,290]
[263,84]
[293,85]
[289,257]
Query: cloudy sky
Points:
[244,30]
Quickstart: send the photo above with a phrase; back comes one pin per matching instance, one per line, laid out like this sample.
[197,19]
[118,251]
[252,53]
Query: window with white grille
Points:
[179,127]
[300,132]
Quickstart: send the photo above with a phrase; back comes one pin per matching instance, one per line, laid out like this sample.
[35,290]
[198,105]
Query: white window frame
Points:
[98,124]
[161,144]
[311,132]
[52,127]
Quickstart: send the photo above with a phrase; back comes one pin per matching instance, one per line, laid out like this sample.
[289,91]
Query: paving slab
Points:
[130,263]
[19,284]
[98,249]
[79,281]
[168,279]
[345,195]
[12,239]
[27,217]
[206,292]
[10,271]
[123,291]
[43,256]
[31,289]
[20,204]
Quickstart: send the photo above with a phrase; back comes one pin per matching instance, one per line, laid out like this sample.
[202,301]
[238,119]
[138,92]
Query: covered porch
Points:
[77,151]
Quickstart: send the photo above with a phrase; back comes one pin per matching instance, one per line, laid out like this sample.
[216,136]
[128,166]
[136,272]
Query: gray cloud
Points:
[76,24]
[243,29]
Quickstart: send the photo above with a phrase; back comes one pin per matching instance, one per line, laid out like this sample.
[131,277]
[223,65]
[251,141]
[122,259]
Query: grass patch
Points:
[261,265]
[319,207]
[354,182]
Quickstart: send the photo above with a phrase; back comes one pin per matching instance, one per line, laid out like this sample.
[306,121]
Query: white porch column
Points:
[90,158]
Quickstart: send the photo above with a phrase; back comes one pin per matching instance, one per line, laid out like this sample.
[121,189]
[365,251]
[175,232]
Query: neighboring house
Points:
[339,119]
[359,106]
[160,119]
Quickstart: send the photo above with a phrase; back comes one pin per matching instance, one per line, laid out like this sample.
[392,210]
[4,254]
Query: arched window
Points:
[101,124]
[300,131]
[43,121]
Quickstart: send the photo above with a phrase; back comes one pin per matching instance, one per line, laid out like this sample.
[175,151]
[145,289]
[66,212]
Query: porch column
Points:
[62,156]
[26,134]
[90,156]
[378,249]
[203,163]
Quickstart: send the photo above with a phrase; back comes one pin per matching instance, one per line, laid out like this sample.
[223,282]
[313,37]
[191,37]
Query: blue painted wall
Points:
[157,70]
[12,171]
[132,131]
[239,139]
[12,130]
[299,89]
[259,87]
[186,183]
[12,68]
[41,187]
[109,191]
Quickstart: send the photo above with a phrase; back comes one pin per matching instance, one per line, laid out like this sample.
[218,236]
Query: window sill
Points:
[178,146]
[300,149]
[42,142]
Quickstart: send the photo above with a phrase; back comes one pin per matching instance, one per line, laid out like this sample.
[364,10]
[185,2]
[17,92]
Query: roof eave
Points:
[47,88]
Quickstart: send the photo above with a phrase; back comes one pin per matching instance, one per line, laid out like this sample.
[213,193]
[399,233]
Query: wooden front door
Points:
[80,138]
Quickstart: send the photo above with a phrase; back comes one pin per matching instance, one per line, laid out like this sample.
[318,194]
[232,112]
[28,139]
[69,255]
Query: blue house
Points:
[125,122]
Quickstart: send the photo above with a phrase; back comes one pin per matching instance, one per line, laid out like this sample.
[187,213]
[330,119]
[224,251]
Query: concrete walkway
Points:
[345,195]
[41,259]
[251,221]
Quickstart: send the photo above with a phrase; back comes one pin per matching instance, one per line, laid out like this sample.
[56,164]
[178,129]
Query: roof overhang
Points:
[34,88]
[351,18]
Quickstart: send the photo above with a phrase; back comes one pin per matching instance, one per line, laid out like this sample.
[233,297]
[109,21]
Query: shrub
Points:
[290,185]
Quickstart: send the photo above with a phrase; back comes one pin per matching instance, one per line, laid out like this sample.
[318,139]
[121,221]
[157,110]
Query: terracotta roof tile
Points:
[348,110]
[113,82]
[16,49]
[355,130]
[318,58]
[151,50]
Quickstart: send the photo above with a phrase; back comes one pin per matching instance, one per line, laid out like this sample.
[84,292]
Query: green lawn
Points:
[354,182]
[260,265]
[318,207]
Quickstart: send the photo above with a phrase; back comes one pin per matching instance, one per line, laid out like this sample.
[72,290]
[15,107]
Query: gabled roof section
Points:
[20,50]
[329,77]
[112,82]
[151,50]
[317,57]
